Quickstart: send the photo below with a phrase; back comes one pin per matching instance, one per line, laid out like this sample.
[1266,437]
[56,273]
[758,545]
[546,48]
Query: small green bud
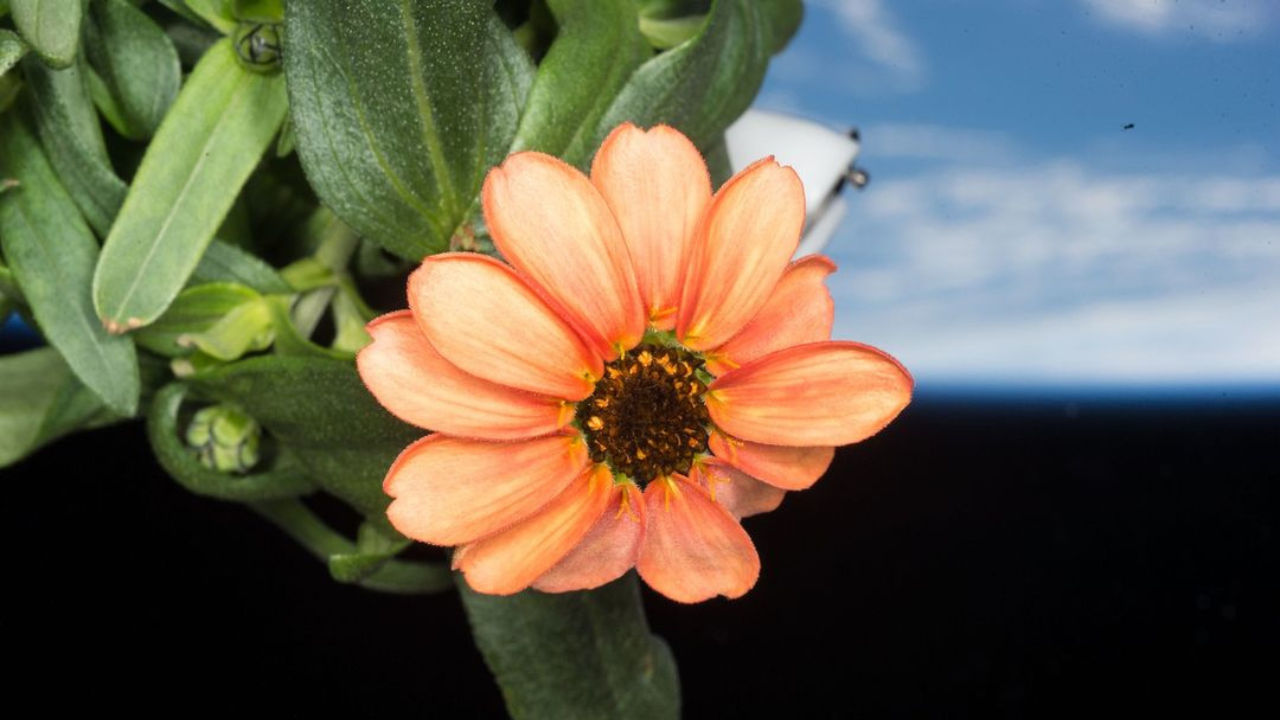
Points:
[258,46]
[225,437]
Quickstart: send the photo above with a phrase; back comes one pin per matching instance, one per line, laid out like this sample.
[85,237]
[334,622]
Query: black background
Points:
[980,557]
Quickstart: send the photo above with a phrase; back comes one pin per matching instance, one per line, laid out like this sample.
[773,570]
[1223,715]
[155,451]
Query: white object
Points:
[822,157]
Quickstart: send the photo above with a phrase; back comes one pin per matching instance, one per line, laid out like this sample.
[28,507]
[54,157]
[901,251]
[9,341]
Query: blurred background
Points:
[1071,237]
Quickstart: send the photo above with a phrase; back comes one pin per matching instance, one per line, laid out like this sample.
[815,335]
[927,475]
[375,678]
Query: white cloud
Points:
[1217,20]
[1055,271]
[874,35]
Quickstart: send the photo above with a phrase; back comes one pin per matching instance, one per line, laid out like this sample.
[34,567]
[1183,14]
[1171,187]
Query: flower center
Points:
[646,418]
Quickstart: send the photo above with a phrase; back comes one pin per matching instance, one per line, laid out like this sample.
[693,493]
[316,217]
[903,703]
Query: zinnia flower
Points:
[647,368]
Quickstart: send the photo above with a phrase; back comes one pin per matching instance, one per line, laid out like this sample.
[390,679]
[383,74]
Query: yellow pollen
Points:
[595,423]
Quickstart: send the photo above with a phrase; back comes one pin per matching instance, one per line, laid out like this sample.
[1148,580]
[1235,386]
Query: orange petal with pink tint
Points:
[693,549]
[657,186]
[410,379]
[511,560]
[449,490]
[827,393]
[799,311]
[480,316]
[739,493]
[790,468]
[607,551]
[744,244]
[551,224]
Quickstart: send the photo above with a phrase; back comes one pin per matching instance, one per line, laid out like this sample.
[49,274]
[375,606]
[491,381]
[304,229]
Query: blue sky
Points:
[1014,231]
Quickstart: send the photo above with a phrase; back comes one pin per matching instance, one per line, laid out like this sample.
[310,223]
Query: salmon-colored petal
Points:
[799,311]
[827,393]
[510,561]
[607,551]
[790,468]
[449,490]
[693,549]
[739,493]
[744,244]
[551,224]
[410,379]
[658,188]
[480,316]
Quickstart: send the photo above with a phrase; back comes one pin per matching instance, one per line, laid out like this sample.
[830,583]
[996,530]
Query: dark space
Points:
[981,557]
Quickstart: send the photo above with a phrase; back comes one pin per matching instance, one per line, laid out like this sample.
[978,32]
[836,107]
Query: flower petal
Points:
[551,224]
[693,549]
[827,393]
[658,188]
[739,493]
[799,311]
[607,551]
[480,316]
[749,234]
[790,468]
[412,380]
[508,562]
[449,490]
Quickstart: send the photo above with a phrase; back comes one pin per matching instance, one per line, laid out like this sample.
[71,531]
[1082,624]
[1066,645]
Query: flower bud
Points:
[226,438]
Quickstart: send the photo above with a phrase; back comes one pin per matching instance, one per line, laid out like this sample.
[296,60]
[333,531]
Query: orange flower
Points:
[646,369]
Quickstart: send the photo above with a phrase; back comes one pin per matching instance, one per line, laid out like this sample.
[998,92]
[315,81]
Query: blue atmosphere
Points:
[1063,194]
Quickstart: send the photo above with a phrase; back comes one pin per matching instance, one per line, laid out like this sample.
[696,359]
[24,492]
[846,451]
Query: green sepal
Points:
[586,654]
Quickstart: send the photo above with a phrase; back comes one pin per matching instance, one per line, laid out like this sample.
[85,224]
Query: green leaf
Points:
[353,564]
[285,480]
[263,11]
[217,13]
[704,84]
[597,48]
[198,310]
[321,412]
[223,262]
[52,253]
[205,149]
[52,27]
[137,64]
[40,401]
[783,19]
[665,33]
[71,135]
[400,108]
[11,50]
[576,654]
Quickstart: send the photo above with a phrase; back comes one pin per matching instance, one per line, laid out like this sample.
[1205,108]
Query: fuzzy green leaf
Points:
[575,655]
[137,64]
[597,48]
[40,401]
[11,50]
[204,151]
[71,135]
[52,27]
[704,84]
[52,253]
[321,412]
[399,109]
[223,262]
